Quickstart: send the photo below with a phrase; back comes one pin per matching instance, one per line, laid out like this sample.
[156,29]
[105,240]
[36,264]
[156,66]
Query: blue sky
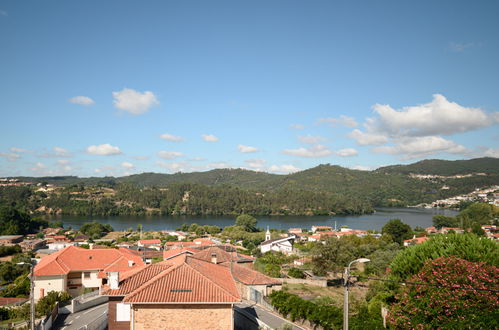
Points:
[94,88]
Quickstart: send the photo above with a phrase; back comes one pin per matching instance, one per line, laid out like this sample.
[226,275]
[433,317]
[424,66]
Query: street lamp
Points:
[31,295]
[346,283]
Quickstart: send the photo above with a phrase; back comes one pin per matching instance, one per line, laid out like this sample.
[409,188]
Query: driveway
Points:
[77,320]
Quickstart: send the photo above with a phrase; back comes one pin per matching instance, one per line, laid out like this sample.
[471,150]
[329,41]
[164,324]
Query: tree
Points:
[461,297]
[440,221]
[247,222]
[95,230]
[465,246]
[398,230]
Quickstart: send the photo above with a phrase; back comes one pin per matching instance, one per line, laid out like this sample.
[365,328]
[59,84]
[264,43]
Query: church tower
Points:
[267,234]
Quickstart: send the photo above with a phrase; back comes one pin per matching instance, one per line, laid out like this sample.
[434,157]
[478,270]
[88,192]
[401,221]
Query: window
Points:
[122,312]
[86,275]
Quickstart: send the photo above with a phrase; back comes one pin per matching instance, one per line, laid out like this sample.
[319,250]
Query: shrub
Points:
[462,307]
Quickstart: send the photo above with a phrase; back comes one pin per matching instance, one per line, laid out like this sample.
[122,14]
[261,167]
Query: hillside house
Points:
[75,269]
[284,244]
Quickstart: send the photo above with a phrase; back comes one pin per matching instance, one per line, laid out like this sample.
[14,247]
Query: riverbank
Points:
[375,221]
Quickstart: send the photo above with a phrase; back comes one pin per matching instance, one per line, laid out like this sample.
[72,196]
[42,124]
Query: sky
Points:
[96,88]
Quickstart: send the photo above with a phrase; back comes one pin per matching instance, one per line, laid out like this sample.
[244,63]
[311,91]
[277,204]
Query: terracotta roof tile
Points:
[251,277]
[168,254]
[74,258]
[189,281]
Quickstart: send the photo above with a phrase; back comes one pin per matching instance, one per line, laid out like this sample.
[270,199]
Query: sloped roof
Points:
[74,258]
[168,254]
[192,280]
[251,277]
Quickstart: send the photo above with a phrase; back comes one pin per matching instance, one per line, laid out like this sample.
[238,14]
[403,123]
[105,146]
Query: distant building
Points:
[284,245]
[321,228]
[11,239]
[415,240]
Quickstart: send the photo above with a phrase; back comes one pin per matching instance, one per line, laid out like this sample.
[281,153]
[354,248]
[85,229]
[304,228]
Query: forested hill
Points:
[445,167]
[324,189]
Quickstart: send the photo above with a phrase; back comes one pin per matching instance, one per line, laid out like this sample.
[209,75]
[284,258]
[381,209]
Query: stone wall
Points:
[171,316]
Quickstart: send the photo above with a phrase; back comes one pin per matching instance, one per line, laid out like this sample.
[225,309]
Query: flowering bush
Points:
[457,304]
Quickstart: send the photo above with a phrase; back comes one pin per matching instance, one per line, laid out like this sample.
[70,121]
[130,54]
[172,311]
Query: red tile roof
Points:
[150,241]
[74,258]
[168,254]
[191,280]
[251,277]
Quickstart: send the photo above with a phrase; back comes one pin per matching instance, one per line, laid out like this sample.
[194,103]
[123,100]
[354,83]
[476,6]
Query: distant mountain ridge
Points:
[319,176]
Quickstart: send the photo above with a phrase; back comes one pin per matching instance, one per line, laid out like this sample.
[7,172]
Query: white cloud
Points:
[488,152]
[348,152]
[170,154]
[285,169]
[297,126]
[362,168]
[106,169]
[309,139]
[439,117]
[134,102]
[367,138]
[127,165]
[171,137]
[216,165]
[196,159]
[62,161]
[14,149]
[103,150]
[246,149]
[255,164]
[459,47]
[315,151]
[82,100]
[172,166]
[209,138]
[11,157]
[418,147]
[61,152]
[343,120]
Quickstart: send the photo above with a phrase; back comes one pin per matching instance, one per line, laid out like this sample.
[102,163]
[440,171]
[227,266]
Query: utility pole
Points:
[346,283]
[32,298]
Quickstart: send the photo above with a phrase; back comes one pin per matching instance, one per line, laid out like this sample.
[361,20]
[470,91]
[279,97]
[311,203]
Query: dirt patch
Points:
[334,293]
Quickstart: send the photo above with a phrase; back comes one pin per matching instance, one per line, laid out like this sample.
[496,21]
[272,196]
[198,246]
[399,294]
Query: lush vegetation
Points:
[459,295]
[325,189]
[326,316]
[16,222]
[95,229]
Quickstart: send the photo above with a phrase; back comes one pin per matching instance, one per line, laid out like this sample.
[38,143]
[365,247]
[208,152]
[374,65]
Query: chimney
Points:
[214,258]
[130,263]
[114,280]
[91,246]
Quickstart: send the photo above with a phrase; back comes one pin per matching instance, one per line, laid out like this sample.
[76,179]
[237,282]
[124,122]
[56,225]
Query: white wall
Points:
[49,283]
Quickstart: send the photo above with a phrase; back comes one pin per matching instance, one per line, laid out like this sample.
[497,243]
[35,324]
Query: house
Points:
[415,240]
[11,239]
[74,269]
[180,293]
[446,230]
[179,234]
[58,242]
[295,231]
[284,245]
[321,228]
[431,230]
[302,261]
[150,243]
[169,254]
[32,245]
[146,253]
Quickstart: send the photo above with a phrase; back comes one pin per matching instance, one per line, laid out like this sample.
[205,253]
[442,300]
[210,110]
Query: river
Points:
[411,216]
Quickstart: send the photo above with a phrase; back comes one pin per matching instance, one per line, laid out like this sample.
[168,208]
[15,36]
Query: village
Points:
[141,274]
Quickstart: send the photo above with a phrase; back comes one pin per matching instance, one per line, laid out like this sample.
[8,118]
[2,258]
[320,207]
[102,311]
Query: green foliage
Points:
[270,263]
[481,213]
[247,222]
[95,229]
[47,303]
[9,250]
[398,230]
[16,222]
[430,307]
[10,271]
[296,273]
[337,253]
[465,246]
[326,316]
[440,221]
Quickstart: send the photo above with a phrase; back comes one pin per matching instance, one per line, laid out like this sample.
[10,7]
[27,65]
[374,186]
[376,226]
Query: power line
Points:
[429,284]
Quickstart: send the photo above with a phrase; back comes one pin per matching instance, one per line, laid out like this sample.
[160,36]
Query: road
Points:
[77,320]
[271,319]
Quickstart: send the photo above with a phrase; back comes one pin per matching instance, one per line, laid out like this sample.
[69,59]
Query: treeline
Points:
[184,199]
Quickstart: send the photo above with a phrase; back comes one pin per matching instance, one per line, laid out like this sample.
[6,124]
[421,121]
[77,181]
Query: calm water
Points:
[412,216]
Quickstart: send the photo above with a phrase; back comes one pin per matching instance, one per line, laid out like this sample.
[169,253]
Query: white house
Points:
[284,245]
